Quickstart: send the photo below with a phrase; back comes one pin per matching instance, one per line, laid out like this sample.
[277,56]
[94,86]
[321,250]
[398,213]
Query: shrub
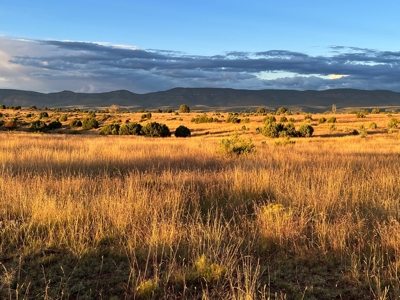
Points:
[146,116]
[110,129]
[375,111]
[184,108]
[236,145]
[283,119]
[43,114]
[63,118]
[292,120]
[261,110]
[232,118]
[306,130]
[373,125]
[393,123]
[75,123]
[131,129]
[54,125]
[90,123]
[331,120]
[32,107]
[281,110]
[155,129]
[308,117]
[362,113]
[203,119]
[269,119]
[182,131]
[38,125]
[321,120]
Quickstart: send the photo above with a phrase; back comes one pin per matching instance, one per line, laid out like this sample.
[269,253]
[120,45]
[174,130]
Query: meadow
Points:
[88,216]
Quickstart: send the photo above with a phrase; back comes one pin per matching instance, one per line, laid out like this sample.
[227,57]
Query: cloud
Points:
[96,67]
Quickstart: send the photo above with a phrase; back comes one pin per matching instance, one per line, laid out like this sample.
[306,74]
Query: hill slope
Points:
[207,98]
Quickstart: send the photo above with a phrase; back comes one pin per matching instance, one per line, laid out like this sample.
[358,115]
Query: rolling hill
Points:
[208,99]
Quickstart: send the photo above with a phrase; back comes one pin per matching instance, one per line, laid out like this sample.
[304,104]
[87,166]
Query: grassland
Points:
[84,216]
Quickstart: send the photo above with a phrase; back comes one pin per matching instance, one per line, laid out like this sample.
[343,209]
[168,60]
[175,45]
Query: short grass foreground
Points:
[129,217]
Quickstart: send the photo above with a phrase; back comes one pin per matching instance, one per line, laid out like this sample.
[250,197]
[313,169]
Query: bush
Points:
[146,116]
[306,130]
[182,131]
[38,126]
[321,120]
[362,114]
[203,119]
[261,110]
[393,123]
[331,120]
[275,130]
[184,108]
[110,129]
[373,125]
[75,123]
[131,129]
[375,111]
[283,119]
[63,118]
[43,114]
[281,110]
[269,119]
[155,129]
[54,125]
[236,145]
[232,118]
[308,117]
[90,123]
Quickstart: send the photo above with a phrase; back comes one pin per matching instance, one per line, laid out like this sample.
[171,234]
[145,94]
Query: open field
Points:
[84,216]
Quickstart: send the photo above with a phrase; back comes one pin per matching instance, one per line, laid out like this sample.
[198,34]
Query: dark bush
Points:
[110,129]
[90,123]
[182,131]
[131,129]
[75,123]
[38,126]
[43,114]
[155,129]
[184,108]
[306,130]
[63,118]
[54,125]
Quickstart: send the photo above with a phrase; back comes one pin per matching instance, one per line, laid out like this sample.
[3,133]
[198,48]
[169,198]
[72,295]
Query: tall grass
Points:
[84,217]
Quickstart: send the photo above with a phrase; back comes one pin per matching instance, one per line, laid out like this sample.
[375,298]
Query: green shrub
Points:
[362,113]
[261,110]
[90,123]
[182,131]
[375,111]
[393,123]
[306,130]
[203,119]
[236,145]
[308,117]
[321,120]
[54,125]
[331,120]
[75,123]
[269,119]
[108,129]
[38,125]
[373,125]
[184,108]
[130,129]
[292,120]
[43,114]
[155,129]
[63,118]
[283,119]
[232,118]
[281,110]
[146,116]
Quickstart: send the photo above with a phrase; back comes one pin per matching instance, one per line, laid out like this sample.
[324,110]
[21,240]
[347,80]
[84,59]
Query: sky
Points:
[153,45]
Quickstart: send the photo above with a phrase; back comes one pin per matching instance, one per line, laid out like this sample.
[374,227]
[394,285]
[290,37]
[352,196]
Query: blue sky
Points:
[146,46]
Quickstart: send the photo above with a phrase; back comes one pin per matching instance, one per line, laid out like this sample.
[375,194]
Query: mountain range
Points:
[208,99]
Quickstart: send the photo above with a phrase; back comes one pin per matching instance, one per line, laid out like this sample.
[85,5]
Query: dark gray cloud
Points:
[58,65]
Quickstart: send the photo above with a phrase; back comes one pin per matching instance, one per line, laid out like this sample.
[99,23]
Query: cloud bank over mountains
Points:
[49,65]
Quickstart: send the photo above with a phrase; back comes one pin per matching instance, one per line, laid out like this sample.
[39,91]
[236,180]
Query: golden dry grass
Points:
[97,217]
